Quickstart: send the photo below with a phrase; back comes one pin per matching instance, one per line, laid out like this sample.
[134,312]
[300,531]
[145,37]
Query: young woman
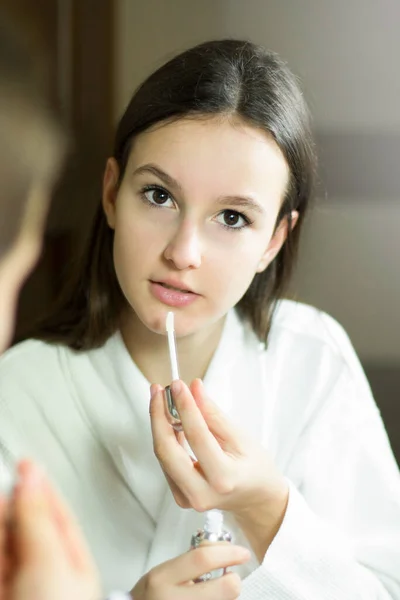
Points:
[202,209]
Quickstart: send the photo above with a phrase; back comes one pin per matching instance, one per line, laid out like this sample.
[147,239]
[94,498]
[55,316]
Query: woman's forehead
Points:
[200,151]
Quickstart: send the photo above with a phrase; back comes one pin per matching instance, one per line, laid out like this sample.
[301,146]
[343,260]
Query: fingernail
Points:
[33,478]
[176,387]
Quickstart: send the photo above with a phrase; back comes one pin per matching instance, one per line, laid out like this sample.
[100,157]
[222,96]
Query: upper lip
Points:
[179,285]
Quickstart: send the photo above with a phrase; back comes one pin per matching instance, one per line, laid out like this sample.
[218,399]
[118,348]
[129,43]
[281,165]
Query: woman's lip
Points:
[172,297]
[175,285]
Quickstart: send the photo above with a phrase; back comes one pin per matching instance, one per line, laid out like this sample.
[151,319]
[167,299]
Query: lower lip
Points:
[172,297]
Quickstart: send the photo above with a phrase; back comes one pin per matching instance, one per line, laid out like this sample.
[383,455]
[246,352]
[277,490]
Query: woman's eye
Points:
[157,196]
[233,219]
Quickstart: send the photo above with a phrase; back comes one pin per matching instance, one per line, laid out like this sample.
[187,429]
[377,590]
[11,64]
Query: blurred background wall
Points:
[346,53]
[76,39]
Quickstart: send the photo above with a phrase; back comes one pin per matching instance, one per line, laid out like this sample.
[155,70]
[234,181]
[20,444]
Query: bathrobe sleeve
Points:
[340,538]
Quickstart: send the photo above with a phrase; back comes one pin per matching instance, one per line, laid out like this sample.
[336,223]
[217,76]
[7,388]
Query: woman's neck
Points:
[149,350]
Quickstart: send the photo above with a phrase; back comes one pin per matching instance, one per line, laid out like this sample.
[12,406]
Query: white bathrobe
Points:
[85,417]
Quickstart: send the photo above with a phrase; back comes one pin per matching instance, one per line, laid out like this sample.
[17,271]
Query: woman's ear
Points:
[277,241]
[110,190]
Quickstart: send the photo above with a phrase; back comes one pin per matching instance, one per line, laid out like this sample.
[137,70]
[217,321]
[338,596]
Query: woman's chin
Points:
[156,323]
[151,321]
[153,318]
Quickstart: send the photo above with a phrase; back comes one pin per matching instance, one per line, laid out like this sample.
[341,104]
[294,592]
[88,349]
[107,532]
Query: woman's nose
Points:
[184,248]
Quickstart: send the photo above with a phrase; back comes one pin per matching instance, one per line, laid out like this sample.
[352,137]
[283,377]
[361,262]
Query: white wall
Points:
[347,53]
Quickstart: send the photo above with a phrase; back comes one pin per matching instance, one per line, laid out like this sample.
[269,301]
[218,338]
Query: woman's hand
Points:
[232,472]
[46,554]
[3,558]
[173,580]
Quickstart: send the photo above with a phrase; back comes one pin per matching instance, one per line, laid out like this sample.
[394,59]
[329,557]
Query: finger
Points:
[173,458]
[227,587]
[69,531]
[203,443]
[226,433]
[36,538]
[3,525]
[7,543]
[210,557]
[179,497]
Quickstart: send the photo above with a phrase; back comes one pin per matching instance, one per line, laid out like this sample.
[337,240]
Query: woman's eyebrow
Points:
[242,202]
[158,172]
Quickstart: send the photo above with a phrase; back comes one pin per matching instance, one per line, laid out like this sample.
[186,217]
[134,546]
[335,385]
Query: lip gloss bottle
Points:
[213,531]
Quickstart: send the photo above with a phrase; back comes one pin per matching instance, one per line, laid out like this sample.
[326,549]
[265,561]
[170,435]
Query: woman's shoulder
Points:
[28,355]
[30,349]
[307,325]
[37,366]
[30,367]
[317,352]
[312,340]
[29,374]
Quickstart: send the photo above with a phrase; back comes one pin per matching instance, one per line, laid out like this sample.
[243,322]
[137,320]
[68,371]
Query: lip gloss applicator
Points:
[213,530]
[174,417]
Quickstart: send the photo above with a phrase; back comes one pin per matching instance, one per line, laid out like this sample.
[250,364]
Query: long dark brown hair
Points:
[229,77]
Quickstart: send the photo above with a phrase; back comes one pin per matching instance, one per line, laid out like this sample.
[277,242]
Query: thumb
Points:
[36,539]
[70,535]
[3,549]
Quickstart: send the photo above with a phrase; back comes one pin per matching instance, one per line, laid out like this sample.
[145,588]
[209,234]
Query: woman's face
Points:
[194,219]
[19,261]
